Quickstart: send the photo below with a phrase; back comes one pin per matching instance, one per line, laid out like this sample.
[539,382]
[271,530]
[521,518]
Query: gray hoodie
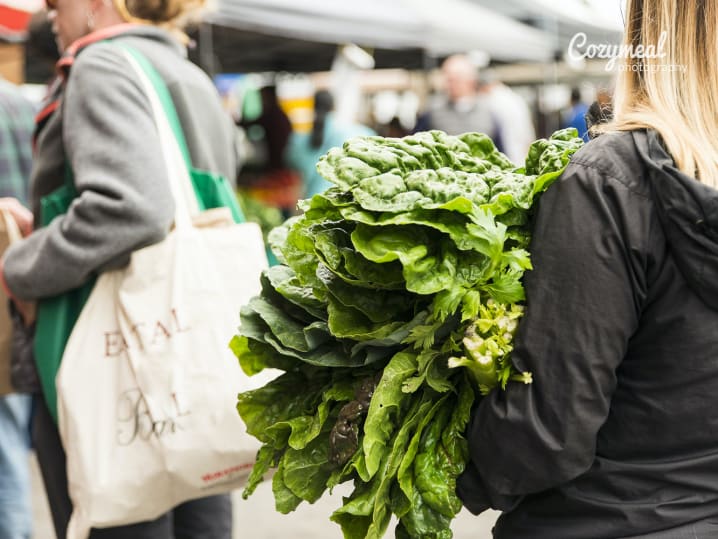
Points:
[103,127]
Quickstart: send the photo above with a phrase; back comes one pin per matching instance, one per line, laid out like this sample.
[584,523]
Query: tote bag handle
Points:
[178,173]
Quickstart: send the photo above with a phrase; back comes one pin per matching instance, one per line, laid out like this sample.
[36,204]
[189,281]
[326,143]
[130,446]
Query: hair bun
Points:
[158,11]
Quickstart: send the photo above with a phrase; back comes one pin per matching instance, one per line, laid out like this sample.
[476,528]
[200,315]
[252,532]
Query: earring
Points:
[90,20]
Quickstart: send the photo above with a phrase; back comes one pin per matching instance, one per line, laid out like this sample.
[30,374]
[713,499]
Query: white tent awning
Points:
[439,28]
[458,25]
[377,23]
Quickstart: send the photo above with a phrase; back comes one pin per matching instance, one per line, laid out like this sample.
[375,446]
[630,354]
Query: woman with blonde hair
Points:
[97,128]
[617,437]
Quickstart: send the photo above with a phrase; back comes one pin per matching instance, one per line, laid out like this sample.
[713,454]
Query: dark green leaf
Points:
[266,457]
[386,408]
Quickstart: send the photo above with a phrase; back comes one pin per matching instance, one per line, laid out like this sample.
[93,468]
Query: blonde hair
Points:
[173,14]
[681,101]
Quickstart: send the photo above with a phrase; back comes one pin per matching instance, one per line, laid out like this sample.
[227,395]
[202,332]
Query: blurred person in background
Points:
[511,114]
[98,123]
[275,127]
[393,129]
[17,120]
[617,436]
[600,111]
[461,108]
[305,149]
[576,115]
[41,52]
[268,178]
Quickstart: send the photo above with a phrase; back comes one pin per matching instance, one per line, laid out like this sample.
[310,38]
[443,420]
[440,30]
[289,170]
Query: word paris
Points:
[143,335]
[614,52]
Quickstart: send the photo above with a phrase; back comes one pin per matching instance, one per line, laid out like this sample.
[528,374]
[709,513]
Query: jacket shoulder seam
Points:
[607,174]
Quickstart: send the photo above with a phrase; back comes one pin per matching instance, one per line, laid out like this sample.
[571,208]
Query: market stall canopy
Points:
[261,35]
[461,25]
[15,18]
[379,23]
[600,20]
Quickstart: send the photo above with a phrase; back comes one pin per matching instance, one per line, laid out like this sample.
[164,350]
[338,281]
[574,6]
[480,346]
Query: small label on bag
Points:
[227,473]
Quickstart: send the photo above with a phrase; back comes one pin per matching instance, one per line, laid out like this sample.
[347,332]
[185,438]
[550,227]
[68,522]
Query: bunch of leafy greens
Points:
[409,267]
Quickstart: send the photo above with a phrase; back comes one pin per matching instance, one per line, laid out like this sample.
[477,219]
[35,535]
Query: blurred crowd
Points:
[281,132]
[280,151]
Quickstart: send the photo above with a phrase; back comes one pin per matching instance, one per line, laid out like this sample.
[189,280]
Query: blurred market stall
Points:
[599,20]
[284,35]
[15,18]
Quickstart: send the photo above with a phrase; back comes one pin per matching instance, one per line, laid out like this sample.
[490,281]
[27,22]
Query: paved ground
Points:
[42,525]
[256,519]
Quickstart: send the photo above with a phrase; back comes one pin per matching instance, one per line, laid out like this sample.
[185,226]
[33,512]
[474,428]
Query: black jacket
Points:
[618,434]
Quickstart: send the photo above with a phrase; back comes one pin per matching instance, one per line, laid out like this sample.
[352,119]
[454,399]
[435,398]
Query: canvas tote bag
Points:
[147,385]
[58,314]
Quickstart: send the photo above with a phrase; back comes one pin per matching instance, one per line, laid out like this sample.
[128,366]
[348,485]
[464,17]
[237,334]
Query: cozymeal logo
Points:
[580,49]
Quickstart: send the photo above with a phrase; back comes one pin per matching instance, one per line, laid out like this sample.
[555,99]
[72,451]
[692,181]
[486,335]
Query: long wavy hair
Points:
[676,94]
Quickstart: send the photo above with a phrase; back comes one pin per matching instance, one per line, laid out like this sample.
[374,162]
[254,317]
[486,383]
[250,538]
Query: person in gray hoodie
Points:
[617,436]
[97,122]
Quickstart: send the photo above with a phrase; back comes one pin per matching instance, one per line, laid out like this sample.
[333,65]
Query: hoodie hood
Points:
[688,211]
